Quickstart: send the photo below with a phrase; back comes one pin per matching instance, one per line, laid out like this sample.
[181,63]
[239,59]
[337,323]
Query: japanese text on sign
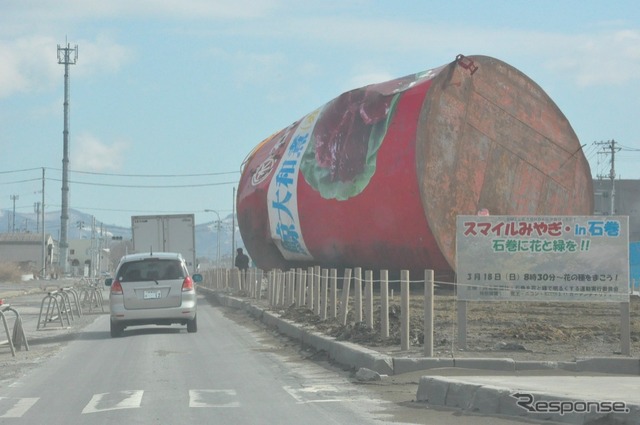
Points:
[282,197]
[542,258]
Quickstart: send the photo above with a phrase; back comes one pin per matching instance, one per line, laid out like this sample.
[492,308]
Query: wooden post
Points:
[311,290]
[281,287]
[333,302]
[344,308]
[303,287]
[276,287]
[317,278]
[296,287]
[269,281]
[285,289]
[292,288]
[225,279]
[384,303]
[405,313]
[357,286]
[252,282]
[272,287]
[324,296]
[259,276]
[368,298]
[237,280]
[428,313]
[625,328]
[462,324]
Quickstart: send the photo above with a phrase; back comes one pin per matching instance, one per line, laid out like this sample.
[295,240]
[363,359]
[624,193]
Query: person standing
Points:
[242,260]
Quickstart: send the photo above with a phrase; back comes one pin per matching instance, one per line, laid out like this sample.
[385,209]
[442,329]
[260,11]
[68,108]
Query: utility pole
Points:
[218,224]
[94,249]
[233,231]
[36,210]
[609,148]
[66,56]
[14,198]
[100,249]
[44,239]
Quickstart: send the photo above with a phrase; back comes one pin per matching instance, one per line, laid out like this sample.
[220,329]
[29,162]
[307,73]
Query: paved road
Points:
[167,376]
[226,373]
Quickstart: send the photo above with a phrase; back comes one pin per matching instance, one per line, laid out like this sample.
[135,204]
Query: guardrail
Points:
[18,338]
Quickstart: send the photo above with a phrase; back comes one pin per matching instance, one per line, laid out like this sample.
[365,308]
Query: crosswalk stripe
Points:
[19,408]
[321,392]
[213,398]
[114,401]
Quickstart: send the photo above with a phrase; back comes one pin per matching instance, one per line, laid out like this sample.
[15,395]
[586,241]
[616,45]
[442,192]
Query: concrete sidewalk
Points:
[585,391]
[575,398]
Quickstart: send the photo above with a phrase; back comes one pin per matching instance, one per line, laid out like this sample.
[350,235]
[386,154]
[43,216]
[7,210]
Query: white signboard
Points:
[542,258]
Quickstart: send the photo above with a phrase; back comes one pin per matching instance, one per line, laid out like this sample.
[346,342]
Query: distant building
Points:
[26,250]
[626,201]
[86,258]
[80,257]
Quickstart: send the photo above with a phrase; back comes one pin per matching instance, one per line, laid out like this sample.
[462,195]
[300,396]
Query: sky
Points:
[167,98]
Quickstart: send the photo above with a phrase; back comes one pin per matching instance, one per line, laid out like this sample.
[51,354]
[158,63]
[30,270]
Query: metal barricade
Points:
[72,301]
[17,338]
[91,297]
[59,307]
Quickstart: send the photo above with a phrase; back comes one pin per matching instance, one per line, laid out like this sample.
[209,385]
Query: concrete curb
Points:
[496,400]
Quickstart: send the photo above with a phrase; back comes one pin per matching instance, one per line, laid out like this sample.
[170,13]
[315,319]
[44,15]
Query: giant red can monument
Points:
[376,177]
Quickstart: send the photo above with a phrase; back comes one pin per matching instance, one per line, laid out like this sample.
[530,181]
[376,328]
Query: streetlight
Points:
[217,237]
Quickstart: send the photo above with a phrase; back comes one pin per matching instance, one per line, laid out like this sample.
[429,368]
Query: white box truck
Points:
[166,233]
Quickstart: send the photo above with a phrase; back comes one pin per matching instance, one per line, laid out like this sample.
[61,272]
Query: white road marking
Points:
[324,393]
[213,398]
[18,408]
[114,401]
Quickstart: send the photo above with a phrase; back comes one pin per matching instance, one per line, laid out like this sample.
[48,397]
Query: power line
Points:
[126,175]
[628,149]
[156,175]
[22,181]
[19,171]
[154,211]
[180,186]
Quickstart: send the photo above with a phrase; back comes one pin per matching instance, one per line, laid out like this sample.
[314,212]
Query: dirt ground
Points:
[522,331]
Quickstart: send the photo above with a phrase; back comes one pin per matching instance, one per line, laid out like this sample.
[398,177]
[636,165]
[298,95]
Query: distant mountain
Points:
[80,227]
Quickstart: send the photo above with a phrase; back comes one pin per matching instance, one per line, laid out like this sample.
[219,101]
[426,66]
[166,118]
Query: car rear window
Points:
[150,269]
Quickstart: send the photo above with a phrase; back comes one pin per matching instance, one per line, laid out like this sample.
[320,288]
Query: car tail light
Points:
[116,288]
[187,284]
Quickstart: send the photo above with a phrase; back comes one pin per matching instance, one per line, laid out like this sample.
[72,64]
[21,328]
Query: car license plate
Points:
[152,295]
